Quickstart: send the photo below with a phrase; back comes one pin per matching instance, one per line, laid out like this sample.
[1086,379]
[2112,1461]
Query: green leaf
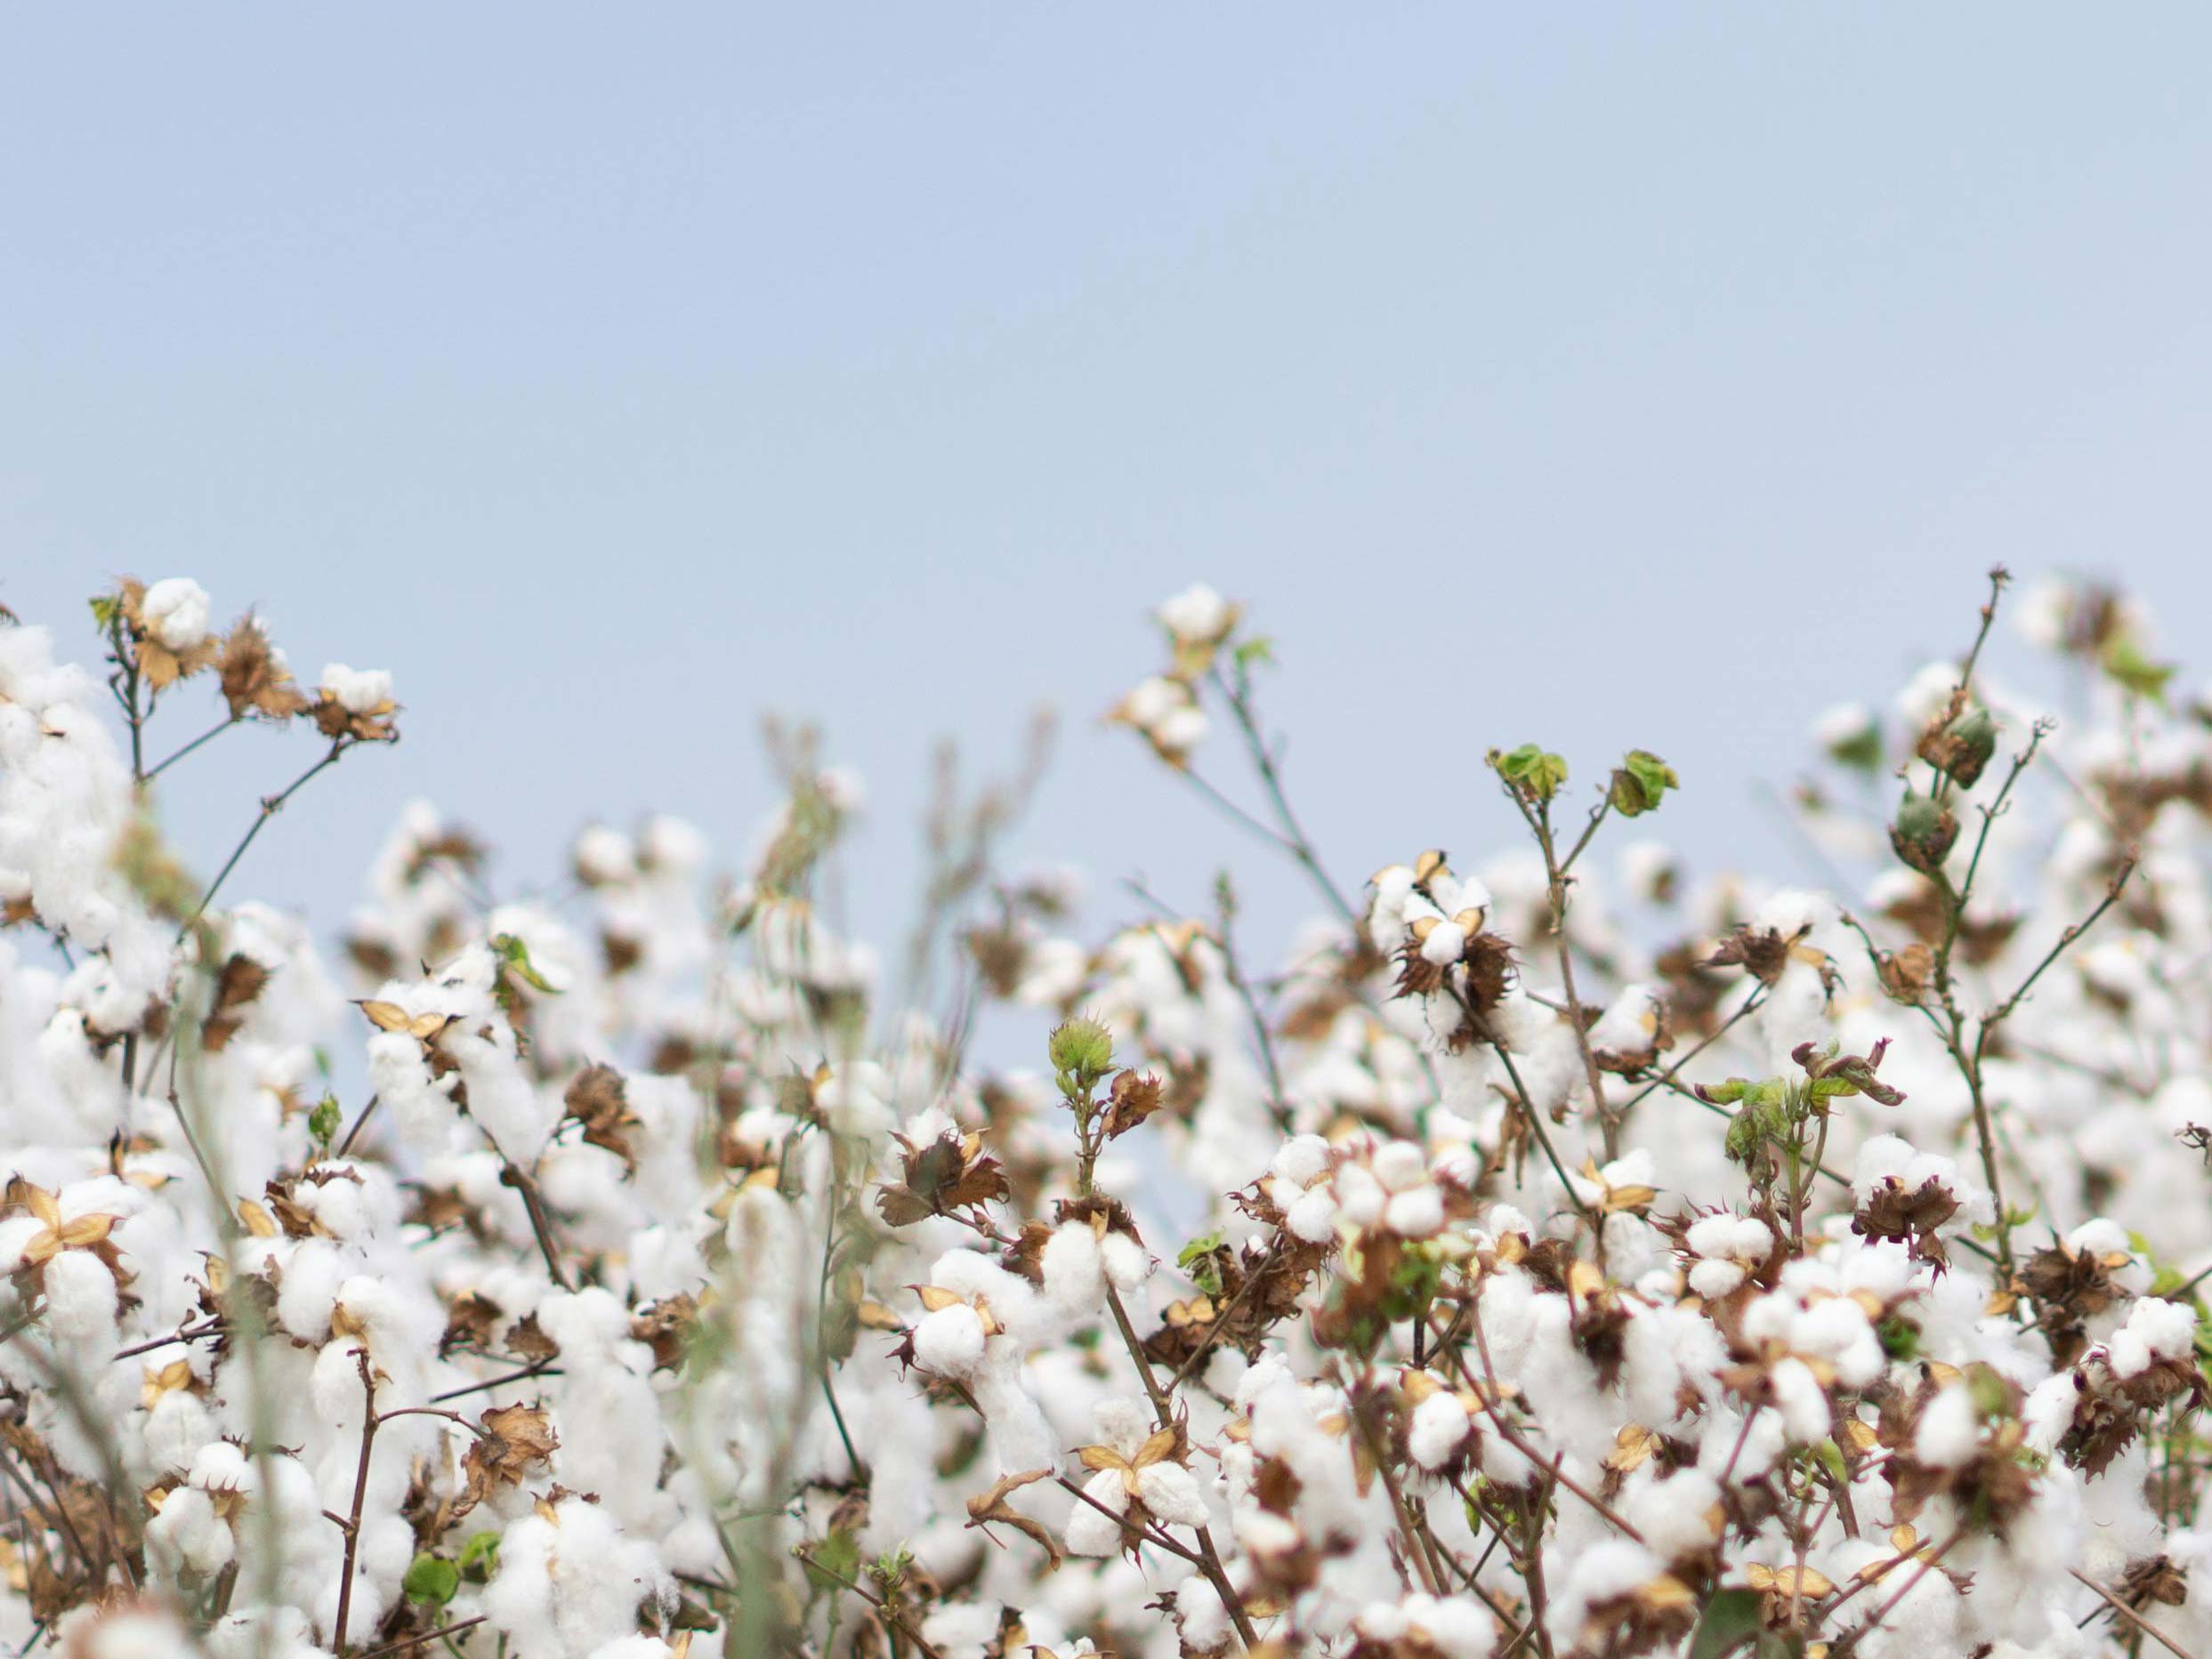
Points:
[889,1569]
[1258,648]
[431,1580]
[1732,1618]
[1639,781]
[480,1557]
[838,1554]
[324,1121]
[1197,1260]
[106,608]
[1531,770]
[2134,672]
[1860,750]
[516,954]
[1831,1456]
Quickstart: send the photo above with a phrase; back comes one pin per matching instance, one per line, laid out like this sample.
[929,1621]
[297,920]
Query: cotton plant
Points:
[1562,1251]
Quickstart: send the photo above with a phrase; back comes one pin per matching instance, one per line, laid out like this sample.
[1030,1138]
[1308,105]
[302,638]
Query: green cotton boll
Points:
[1970,741]
[1082,1048]
[1924,832]
[1639,781]
[431,1580]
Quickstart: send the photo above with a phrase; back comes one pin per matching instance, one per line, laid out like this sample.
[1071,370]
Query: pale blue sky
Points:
[1603,374]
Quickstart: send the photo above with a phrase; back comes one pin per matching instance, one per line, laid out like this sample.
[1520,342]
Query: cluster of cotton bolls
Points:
[1557,1253]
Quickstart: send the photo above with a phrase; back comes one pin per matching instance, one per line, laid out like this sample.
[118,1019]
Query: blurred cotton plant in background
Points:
[1569,1249]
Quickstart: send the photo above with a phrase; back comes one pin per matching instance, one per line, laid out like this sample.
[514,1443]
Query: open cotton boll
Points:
[1607,1569]
[1153,700]
[1446,943]
[961,1629]
[1301,1160]
[1127,1262]
[1714,1279]
[187,1535]
[1400,1165]
[1200,1616]
[279,1632]
[2155,1330]
[307,1289]
[1676,1515]
[1198,612]
[81,1298]
[569,1583]
[1090,1533]
[1074,1273]
[1949,1432]
[950,1342]
[126,1629]
[1416,1214]
[1439,1428]
[1172,1492]
[603,856]
[357,690]
[1360,1196]
[176,611]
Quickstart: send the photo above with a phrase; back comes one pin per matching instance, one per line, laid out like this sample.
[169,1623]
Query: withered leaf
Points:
[1131,1098]
[991,1506]
[951,1173]
[596,1098]
[515,1439]
[241,980]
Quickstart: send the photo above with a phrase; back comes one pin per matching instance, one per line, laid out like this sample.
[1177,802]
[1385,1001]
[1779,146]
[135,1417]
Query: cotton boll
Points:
[1676,1515]
[1949,1431]
[1314,1217]
[1200,1616]
[1611,1568]
[1416,1214]
[175,1428]
[1746,1452]
[1446,943]
[1715,1279]
[855,1099]
[1198,612]
[1171,1492]
[1400,1165]
[1712,1235]
[570,1585]
[1126,1262]
[1803,1405]
[187,1535]
[175,610]
[961,1629]
[949,1341]
[1439,1428]
[1304,1158]
[359,691]
[603,857]
[1088,1531]
[1360,1196]
[262,1633]
[307,1291]
[128,1630]
[80,1298]
[1074,1276]
[2049,1411]
[2155,1330]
